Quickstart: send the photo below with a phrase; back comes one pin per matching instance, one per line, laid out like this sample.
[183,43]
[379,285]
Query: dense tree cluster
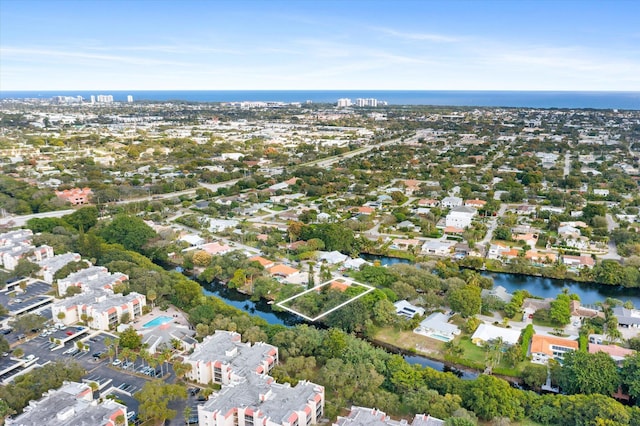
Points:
[32,385]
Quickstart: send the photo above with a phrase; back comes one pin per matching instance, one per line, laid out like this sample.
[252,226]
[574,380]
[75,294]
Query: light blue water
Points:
[157,321]
[488,98]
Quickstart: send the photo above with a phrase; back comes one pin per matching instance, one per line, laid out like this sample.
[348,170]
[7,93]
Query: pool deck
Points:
[177,316]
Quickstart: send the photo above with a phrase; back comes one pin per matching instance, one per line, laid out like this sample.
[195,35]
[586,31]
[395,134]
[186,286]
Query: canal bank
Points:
[263,310]
[589,293]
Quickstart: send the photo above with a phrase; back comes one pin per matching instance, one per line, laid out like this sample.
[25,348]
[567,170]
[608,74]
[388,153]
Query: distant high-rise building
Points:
[344,102]
[93,99]
[104,99]
[129,98]
[368,102]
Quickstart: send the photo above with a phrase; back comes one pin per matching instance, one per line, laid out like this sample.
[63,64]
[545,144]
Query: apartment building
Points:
[94,277]
[102,309]
[364,416]
[222,358]
[71,405]
[49,266]
[75,196]
[259,400]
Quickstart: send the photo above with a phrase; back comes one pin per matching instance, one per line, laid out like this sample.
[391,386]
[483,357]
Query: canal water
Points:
[589,293]
[263,310]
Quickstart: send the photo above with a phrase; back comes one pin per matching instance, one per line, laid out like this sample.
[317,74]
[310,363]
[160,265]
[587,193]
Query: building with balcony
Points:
[71,405]
[222,358]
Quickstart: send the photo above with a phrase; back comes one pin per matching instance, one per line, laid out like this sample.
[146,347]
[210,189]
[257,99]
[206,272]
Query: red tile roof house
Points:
[75,196]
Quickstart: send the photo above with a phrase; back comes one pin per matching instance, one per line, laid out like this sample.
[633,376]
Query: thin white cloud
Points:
[434,37]
[36,54]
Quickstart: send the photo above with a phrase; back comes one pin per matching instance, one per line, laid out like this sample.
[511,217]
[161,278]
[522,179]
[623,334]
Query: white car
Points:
[116,362]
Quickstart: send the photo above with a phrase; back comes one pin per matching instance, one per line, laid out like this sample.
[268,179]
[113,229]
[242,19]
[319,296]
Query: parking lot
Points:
[125,377]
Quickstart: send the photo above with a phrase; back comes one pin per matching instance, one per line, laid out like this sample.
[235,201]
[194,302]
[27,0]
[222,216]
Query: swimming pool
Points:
[157,321]
[440,337]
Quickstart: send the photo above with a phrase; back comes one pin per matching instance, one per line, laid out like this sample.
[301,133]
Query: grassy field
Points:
[410,341]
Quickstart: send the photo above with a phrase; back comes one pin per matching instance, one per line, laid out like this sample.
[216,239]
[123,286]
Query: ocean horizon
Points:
[455,98]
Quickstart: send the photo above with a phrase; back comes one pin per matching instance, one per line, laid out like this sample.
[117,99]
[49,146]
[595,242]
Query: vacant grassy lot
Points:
[410,341]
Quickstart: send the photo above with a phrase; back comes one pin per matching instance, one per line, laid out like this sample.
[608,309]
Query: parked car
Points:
[116,362]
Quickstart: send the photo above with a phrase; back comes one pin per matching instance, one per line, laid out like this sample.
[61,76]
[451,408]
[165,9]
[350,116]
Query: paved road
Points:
[493,224]
[567,164]
[19,221]
[613,250]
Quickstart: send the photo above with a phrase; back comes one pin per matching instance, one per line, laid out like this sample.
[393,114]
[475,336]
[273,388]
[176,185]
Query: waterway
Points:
[589,293]
[264,311]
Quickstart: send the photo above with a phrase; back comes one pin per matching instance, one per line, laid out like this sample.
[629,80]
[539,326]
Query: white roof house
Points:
[452,202]
[437,327]
[193,239]
[407,310]
[333,257]
[488,332]
[355,263]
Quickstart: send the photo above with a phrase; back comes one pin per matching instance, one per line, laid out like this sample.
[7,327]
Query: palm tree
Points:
[166,356]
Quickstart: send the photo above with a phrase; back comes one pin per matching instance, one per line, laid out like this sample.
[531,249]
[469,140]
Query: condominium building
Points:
[222,358]
[101,309]
[259,400]
[363,416]
[16,245]
[71,405]
[75,196]
[248,395]
[94,277]
[49,266]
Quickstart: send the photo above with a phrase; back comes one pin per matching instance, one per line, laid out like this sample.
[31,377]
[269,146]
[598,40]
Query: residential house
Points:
[411,186]
[192,239]
[540,258]
[529,239]
[72,404]
[408,225]
[497,292]
[578,262]
[628,318]
[355,263]
[569,232]
[428,203]
[583,312]
[407,310]
[437,327]
[476,204]
[437,248]
[332,257]
[497,250]
[486,333]
[451,202]
[405,244]
[544,347]
[216,249]
[460,217]
[617,353]
[219,225]
[364,210]
[284,272]
[75,196]
[265,263]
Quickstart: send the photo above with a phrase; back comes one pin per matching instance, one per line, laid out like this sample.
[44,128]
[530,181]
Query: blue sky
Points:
[320,44]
